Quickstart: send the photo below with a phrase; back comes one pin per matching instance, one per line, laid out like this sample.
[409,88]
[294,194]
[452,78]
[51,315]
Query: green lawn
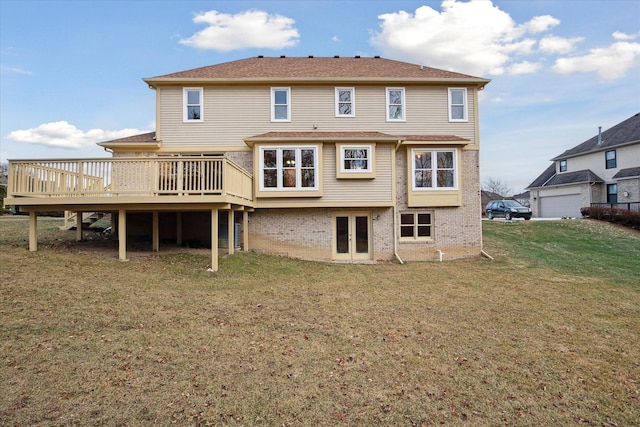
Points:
[546,334]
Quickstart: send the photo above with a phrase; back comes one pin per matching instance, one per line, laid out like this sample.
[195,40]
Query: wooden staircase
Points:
[88,219]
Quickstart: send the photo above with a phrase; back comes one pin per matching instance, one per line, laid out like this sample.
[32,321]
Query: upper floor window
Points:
[192,104]
[345,102]
[458,104]
[289,168]
[280,104]
[395,104]
[562,166]
[610,159]
[434,169]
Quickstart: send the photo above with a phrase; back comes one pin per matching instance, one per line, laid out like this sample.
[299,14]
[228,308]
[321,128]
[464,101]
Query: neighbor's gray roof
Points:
[291,69]
[628,173]
[623,133]
[550,178]
[544,177]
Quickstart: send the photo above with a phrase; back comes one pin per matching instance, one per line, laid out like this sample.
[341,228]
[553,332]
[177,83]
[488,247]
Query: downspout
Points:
[395,233]
[395,219]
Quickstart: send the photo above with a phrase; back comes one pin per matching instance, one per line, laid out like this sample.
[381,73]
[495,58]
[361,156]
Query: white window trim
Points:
[415,238]
[279,168]
[404,105]
[353,101]
[185,105]
[368,147]
[560,162]
[465,114]
[434,169]
[273,104]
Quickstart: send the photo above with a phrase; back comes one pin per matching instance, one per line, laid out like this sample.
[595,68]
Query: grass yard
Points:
[546,334]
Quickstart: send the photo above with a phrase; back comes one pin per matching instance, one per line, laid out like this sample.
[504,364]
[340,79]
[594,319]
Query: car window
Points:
[512,204]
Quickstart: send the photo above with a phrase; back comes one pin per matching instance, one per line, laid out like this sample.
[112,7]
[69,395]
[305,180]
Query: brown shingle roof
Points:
[148,138]
[349,136]
[312,68]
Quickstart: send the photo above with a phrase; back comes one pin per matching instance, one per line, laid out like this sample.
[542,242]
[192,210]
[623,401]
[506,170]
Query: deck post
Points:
[155,239]
[122,235]
[179,229]
[245,231]
[33,231]
[78,226]
[230,231]
[214,239]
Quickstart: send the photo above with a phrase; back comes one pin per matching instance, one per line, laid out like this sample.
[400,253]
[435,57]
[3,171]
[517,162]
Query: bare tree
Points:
[497,186]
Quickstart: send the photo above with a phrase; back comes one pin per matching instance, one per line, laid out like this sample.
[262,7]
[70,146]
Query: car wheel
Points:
[526,218]
[507,216]
[489,215]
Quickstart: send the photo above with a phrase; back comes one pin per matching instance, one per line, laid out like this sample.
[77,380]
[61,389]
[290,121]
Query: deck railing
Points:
[132,176]
[629,206]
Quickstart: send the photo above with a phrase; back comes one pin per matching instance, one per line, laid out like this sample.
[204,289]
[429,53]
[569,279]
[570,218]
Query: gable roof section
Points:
[544,177]
[146,140]
[576,177]
[626,132]
[628,173]
[307,69]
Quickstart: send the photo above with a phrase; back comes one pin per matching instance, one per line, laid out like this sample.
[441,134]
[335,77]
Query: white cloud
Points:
[524,67]
[618,35]
[15,70]
[335,39]
[559,45]
[473,37]
[249,29]
[609,63]
[540,24]
[65,135]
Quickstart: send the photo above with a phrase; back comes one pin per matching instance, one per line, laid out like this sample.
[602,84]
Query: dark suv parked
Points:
[508,209]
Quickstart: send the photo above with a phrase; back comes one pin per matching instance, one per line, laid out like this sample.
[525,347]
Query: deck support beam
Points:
[78,226]
[214,239]
[230,231]
[155,239]
[33,231]
[245,231]
[122,235]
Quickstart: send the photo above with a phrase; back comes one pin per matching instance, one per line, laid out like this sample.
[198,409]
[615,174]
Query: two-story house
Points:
[603,169]
[335,159]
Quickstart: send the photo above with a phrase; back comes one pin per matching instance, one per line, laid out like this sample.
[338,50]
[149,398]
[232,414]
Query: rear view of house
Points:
[333,159]
[604,170]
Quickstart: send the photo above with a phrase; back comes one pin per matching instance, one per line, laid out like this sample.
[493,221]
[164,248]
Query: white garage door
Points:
[559,206]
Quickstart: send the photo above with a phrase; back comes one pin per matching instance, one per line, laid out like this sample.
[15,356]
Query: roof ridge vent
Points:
[260,56]
[336,56]
[310,56]
[283,56]
[357,56]
[377,57]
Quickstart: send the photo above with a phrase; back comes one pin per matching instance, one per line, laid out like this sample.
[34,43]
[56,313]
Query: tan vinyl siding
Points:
[232,113]
[379,189]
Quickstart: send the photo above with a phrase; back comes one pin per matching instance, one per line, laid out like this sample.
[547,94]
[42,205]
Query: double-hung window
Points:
[289,168]
[562,166]
[458,105]
[395,104]
[280,104]
[416,226]
[192,104]
[345,102]
[610,159]
[355,160]
[434,169]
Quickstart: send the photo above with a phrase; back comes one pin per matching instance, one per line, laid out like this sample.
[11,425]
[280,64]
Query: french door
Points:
[352,236]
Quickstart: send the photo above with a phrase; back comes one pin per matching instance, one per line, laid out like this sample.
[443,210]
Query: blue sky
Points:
[70,71]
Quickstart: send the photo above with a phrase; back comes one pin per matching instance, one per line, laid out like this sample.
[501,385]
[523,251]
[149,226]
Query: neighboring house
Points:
[333,159]
[605,169]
